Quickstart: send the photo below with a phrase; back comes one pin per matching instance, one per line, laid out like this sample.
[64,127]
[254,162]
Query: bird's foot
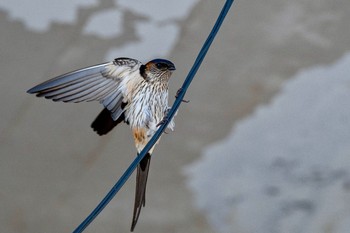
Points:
[164,120]
[178,93]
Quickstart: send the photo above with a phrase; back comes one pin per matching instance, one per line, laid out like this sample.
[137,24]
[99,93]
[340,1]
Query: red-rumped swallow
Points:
[130,92]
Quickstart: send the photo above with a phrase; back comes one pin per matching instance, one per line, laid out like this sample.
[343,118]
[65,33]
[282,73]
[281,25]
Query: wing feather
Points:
[105,92]
[97,92]
[67,78]
[100,82]
[114,104]
[54,91]
[81,92]
[76,90]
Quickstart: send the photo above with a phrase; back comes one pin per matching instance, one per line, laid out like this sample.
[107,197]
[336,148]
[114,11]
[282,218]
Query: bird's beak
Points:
[171,68]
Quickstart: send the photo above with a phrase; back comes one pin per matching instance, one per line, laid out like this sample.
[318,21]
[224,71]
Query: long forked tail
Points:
[140,193]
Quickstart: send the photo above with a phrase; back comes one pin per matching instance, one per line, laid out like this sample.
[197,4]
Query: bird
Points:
[131,92]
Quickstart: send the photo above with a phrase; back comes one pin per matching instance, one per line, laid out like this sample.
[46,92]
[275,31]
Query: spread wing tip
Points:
[33,90]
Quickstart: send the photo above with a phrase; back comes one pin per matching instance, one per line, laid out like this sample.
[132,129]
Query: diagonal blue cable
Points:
[180,95]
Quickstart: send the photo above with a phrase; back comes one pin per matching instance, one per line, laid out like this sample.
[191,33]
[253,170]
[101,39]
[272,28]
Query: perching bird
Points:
[130,92]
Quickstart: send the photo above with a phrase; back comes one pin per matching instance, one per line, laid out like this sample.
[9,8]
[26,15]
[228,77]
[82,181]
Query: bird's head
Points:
[157,70]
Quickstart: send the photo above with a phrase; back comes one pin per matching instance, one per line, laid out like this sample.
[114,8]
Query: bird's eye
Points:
[160,66]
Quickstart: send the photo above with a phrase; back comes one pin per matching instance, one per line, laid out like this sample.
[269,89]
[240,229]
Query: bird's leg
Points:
[177,95]
[163,121]
[165,118]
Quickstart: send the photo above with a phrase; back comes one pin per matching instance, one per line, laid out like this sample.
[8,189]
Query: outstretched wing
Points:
[100,82]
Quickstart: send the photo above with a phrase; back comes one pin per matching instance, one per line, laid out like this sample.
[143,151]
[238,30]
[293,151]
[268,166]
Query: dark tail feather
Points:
[105,123]
[140,193]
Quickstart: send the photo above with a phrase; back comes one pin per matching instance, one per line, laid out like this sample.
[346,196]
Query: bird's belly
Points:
[145,113]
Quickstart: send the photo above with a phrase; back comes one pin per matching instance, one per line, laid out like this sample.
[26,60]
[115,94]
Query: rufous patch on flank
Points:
[139,135]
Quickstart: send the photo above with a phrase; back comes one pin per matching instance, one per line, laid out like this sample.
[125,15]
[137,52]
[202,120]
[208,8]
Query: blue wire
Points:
[156,136]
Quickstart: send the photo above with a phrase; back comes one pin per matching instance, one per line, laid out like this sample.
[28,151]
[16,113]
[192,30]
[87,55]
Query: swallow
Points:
[130,92]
